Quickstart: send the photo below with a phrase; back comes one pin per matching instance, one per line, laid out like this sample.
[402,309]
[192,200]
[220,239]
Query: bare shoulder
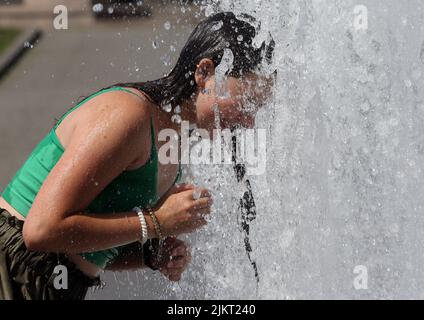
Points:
[124,115]
[125,105]
[118,112]
[119,117]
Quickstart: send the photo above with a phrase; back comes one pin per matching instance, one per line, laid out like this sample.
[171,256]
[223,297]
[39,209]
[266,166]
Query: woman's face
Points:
[236,99]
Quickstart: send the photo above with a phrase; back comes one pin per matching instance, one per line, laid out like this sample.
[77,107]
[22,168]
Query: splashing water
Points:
[217,117]
[346,148]
[221,72]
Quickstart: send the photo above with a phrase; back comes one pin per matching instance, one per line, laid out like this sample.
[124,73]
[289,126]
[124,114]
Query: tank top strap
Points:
[152,127]
[142,97]
[91,97]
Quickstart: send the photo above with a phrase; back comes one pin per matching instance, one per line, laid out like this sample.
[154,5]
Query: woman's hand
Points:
[180,212]
[175,257]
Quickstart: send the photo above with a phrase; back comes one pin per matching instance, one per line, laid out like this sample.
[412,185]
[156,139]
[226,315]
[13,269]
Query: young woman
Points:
[73,202]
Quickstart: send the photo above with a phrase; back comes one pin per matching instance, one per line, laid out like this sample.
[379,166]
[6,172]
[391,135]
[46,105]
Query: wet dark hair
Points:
[208,40]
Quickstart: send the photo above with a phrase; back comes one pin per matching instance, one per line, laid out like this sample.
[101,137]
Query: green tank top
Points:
[131,188]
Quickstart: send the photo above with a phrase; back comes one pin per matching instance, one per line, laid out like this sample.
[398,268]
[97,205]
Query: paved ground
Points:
[71,63]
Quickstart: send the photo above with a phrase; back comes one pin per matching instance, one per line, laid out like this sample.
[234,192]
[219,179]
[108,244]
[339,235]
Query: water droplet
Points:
[206,91]
[176,118]
[365,107]
[167,25]
[167,107]
[196,194]
[177,109]
[404,21]
[217,25]
[209,11]
[97,8]
[110,10]
[166,60]
[240,38]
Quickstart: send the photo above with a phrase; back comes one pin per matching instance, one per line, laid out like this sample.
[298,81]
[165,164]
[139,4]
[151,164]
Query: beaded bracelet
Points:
[156,224]
[158,230]
[143,224]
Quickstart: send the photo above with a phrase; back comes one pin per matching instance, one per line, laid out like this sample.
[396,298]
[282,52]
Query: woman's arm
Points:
[111,136]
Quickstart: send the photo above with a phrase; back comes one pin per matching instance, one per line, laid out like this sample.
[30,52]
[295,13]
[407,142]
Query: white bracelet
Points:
[143,224]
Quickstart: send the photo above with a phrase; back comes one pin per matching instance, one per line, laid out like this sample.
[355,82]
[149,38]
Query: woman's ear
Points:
[204,69]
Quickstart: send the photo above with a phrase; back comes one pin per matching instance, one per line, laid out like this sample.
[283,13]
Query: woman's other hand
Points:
[175,259]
